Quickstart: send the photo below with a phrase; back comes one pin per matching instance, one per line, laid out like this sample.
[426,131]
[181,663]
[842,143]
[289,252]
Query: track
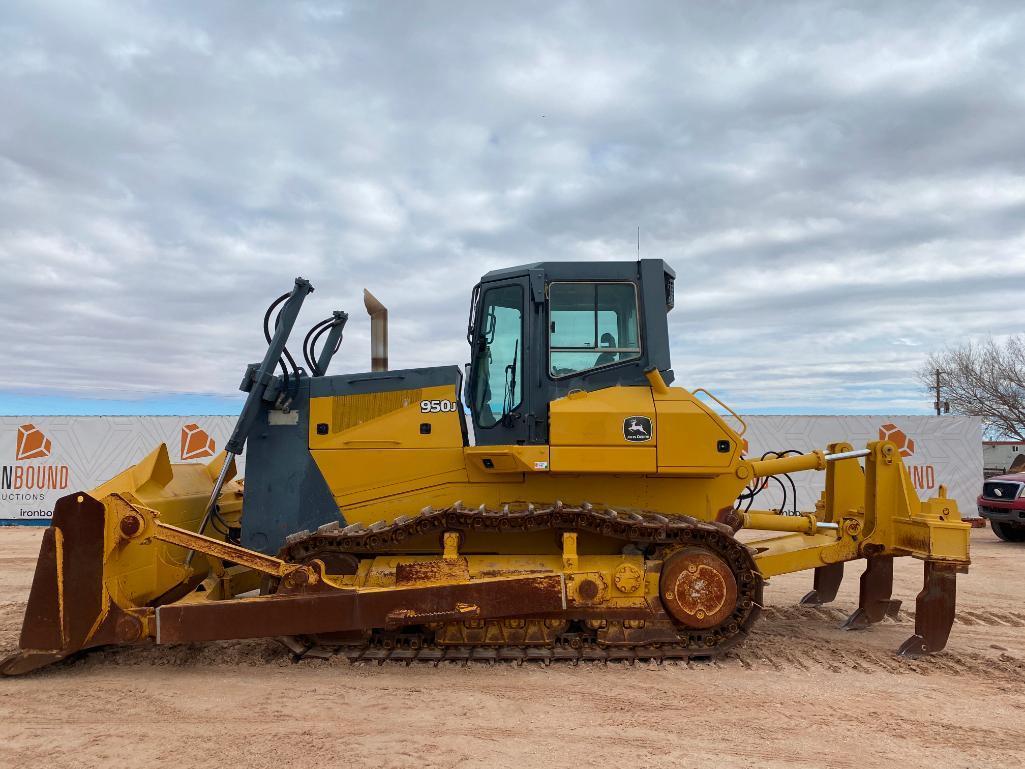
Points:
[658,537]
[634,527]
[786,639]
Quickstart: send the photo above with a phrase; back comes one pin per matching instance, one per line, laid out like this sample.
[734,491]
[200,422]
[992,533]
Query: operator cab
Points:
[540,331]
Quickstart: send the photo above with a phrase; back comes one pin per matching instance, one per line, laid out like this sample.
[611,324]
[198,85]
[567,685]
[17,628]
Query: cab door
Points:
[500,353]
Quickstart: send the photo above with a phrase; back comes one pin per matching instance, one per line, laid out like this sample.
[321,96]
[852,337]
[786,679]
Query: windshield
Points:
[499,361]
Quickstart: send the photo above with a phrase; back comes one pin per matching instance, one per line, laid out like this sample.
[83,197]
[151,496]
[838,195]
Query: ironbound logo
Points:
[31,445]
[922,476]
[890,432]
[637,429]
[196,443]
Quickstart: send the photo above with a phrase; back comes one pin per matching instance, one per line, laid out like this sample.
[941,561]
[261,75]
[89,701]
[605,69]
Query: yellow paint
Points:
[136,573]
[596,418]
[691,465]
[603,460]
[364,475]
[58,537]
[507,459]
[380,572]
[693,432]
[380,462]
[386,420]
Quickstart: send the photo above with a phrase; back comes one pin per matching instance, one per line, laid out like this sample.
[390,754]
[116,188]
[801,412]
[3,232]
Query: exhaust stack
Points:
[378,332]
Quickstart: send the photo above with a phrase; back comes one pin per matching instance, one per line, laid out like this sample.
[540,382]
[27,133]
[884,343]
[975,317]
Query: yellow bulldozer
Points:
[593,515]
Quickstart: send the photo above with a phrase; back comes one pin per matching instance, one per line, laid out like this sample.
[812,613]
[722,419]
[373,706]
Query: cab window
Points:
[591,325]
[498,373]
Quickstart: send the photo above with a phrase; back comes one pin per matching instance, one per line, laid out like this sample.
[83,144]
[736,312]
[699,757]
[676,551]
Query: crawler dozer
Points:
[594,515]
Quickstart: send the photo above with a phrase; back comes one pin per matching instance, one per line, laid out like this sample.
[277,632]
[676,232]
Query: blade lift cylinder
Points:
[257,384]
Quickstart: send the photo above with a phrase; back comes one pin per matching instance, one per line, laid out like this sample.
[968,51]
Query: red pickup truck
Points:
[1002,502]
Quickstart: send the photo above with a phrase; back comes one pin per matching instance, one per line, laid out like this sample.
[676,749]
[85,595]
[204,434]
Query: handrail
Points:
[734,414]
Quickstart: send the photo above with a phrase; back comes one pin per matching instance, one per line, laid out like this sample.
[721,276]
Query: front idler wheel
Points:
[698,588]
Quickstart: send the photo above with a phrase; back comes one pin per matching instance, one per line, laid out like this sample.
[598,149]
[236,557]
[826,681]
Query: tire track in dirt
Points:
[989,617]
[777,652]
[787,638]
[807,632]
[762,653]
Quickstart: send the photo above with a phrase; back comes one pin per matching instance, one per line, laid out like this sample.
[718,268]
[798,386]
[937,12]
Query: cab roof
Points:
[581,270]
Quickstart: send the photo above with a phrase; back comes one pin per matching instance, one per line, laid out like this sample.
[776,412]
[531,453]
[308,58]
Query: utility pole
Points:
[942,407]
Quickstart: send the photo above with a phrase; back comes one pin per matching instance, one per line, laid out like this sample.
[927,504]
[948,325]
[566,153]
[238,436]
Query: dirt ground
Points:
[801,692]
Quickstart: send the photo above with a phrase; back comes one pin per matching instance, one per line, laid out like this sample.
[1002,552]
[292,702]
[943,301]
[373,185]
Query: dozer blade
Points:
[91,586]
[825,586]
[934,611]
[874,600]
[97,583]
[66,611]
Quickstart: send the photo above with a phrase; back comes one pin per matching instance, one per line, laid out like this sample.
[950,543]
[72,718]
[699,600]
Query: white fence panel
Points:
[944,449]
[43,458]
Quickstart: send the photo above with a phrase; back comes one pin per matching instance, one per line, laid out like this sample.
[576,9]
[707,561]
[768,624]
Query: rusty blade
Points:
[68,609]
[69,578]
[27,661]
[328,612]
[41,628]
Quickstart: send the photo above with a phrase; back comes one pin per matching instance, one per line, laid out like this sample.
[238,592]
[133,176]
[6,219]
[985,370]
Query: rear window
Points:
[591,325]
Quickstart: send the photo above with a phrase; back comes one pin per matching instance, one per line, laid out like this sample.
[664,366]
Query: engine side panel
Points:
[286,488]
[605,446]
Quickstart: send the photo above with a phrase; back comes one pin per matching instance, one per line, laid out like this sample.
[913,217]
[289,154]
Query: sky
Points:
[839,187]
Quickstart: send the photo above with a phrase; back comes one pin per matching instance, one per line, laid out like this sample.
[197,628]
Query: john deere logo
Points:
[196,443]
[32,444]
[637,429]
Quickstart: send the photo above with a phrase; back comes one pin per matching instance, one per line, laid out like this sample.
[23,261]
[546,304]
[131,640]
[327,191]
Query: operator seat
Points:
[607,340]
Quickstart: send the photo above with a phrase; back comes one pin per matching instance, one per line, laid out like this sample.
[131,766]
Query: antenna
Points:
[638,242]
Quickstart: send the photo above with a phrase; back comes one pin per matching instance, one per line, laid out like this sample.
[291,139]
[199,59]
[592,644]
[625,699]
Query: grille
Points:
[1004,491]
[351,410]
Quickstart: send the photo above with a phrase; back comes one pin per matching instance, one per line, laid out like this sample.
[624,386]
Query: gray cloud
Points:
[840,187]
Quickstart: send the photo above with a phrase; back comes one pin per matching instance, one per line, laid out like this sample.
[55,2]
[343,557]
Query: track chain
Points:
[516,654]
[639,528]
[644,530]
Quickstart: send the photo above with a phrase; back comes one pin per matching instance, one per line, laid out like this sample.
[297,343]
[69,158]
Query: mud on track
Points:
[799,692]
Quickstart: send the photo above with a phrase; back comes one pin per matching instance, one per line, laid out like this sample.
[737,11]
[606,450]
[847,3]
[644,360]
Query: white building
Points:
[998,455]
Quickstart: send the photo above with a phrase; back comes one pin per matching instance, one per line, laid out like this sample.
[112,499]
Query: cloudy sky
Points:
[840,187]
